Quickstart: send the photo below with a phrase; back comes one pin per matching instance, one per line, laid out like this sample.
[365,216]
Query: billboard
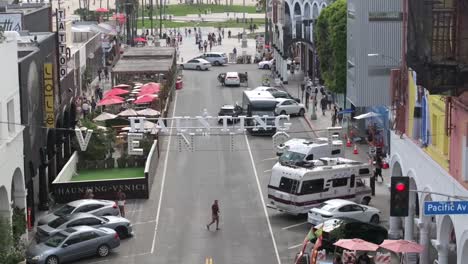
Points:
[11,21]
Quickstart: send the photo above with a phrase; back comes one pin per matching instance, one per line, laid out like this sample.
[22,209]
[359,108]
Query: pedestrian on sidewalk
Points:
[315,93]
[85,108]
[214,215]
[211,45]
[323,104]
[340,116]
[238,37]
[185,32]
[106,73]
[333,119]
[234,50]
[205,45]
[99,73]
[219,40]
[307,96]
[378,168]
[222,32]
[93,104]
[121,202]
[229,33]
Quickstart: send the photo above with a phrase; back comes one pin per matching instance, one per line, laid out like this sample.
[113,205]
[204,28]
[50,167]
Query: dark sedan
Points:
[229,110]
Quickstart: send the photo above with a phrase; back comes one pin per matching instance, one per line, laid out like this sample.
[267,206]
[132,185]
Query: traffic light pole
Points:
[463,198]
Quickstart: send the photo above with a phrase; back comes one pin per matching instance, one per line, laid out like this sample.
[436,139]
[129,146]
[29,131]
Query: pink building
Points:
[458,167]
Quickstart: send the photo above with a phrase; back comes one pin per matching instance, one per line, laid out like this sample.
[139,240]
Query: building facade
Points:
[430,121]
[12,188]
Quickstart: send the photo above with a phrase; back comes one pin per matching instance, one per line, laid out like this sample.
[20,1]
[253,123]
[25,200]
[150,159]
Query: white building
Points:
[12,188]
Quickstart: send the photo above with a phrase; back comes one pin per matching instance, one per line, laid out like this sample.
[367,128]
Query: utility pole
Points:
[143,4]
[151,16]
[160,18]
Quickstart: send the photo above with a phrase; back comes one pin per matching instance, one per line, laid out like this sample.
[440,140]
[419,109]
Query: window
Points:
[88,236]
[346,208]
[351,184]
[286,184]
[336,151]
[313,186]
[364,171]
[92,221]
[91,207]
[11,116]
[310,157]
[73,240]
[76,223]
[286,103]
[340,182]
[356,208]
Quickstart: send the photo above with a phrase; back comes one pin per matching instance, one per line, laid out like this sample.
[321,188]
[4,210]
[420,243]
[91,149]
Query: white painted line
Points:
[291,226]
[145,222]
[263,200]
[295,246]
[269,159]
[133,211]
[163,179]
[266,171]
[136,255]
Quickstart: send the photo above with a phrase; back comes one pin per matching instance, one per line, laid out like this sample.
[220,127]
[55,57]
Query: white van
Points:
[295,190]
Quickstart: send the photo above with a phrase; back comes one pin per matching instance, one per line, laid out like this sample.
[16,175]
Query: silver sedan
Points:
[121,225]
[72,244]
[197,64]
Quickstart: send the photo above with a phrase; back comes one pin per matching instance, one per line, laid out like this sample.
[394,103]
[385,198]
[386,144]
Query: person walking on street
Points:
[340,116]
[234,50]
[214,215]
[85,108]
[211,45]
[333,119]
[93,104]
[121,202]
[205,45]
[323,104]
[99,73]
[222,32]
[307,96]
[229,33]
[378,168]
[106,73]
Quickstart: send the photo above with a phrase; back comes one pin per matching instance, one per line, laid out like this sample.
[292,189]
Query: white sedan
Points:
[266,64]
[289,107]
[197,64]
[343,208]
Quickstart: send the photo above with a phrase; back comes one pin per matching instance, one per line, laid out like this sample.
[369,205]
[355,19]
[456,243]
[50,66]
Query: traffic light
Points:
[399,196]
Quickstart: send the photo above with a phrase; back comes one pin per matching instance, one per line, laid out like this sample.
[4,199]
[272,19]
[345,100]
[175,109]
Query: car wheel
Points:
[103,250]
[52,260]
[302,112]
[266,67]
[216,63]
[198,68]
[122,231]
[365,200]
[283,112]
[375,219]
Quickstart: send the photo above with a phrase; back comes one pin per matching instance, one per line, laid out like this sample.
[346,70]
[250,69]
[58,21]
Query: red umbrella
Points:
[102,10]
[110,101]
[116,91]
[150,88]
[121,86]
[356,244]
[402,246]
[139,39]
[145,99]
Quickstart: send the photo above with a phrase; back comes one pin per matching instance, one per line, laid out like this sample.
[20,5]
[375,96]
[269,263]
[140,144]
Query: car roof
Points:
[81,202]
[280,100]
[78,215]
[215,52]
[338,202]
[262,88]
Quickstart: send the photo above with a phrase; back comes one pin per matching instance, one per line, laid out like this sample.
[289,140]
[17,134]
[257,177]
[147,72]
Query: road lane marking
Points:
[291,226]
[163,179]
[142,223]
[263,200]
[269,159]
[295,246]
[265,171]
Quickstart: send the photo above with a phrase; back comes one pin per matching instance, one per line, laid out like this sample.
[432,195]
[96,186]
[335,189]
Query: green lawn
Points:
[106,174]
[183,10]
[224,24]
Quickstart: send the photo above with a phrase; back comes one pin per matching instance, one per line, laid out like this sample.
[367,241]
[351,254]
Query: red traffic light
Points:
[400,187]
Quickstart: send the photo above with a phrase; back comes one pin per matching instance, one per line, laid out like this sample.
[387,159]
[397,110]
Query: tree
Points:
[330,39]
[101,143]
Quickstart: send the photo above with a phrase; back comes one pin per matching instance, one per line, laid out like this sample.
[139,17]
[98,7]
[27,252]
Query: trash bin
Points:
[179,83]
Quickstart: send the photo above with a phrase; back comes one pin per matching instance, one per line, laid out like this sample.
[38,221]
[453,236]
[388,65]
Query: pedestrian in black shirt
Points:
[106,73]
[214,215]
[323,104]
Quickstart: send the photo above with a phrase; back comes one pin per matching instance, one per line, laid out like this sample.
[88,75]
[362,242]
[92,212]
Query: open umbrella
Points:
[150,88]
[402,246]
[139,39]
[148,112]
[121,86]
[102,10]
[128,112]
[356,244]
[145,99]
[367,115]
[116,91]
[111,100]
[104,116]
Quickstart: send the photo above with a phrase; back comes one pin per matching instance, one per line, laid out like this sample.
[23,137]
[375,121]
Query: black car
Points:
[347,228]
[229,110]
[284,94]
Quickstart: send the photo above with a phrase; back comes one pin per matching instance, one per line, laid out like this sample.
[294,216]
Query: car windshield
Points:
[58,222]
[64,210]
[55,240]
[326,207]
[291,156]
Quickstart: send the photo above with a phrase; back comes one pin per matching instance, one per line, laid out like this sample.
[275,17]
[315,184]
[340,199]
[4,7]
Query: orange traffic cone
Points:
[355,151]
[348,143]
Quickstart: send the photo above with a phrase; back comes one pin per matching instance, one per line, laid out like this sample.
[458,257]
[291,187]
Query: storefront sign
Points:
[49,95]
[83,142]
[11,22]
[62,42]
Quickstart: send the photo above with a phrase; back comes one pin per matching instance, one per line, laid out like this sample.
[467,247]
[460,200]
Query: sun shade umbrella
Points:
[102,10]
[104,116]
[121,86]
[139,40]
[145,99]
[116,91]
[128,112]
[367,115]
[356,244]
[148,112]
[150,88]
[402,246]
[110,101]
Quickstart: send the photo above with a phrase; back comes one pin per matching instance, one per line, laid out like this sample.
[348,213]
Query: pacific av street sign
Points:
[445,207]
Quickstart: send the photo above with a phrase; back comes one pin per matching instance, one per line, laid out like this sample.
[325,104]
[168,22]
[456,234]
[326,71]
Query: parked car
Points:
[232,78]
[121,225]
[343,208]
[229,110]
[289,107]
[284,94]
[73,244]
[197,64]
[266,88]
[266,64]
[347,228]
[92,206]
[215,58]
